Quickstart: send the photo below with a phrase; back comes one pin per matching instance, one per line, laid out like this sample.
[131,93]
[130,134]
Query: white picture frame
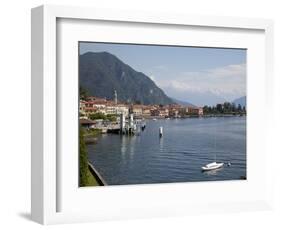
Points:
[46,195]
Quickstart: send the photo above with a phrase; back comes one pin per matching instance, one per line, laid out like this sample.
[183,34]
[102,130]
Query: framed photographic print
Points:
[140,114]
[181,117]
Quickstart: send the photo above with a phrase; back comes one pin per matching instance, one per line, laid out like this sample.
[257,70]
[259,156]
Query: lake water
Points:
[186,146]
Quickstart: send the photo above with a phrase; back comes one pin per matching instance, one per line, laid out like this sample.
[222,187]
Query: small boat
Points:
[212,166]
[154,119]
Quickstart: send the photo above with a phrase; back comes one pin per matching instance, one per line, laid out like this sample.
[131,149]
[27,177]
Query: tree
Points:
[233,107]
[83,160]
[239,108]
[219,108]
[111,117]
[206,109]
[226,107]
[83,93]
[96,116]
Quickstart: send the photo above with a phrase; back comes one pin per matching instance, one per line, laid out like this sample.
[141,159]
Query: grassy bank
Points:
[92,132]
[87,176]
[91,180]
[90,135]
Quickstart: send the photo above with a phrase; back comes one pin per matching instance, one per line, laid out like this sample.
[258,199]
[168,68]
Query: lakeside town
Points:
[113,116]
[108,107]
[95,108]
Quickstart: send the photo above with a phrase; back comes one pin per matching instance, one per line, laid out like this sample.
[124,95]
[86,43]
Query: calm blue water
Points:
[178,156]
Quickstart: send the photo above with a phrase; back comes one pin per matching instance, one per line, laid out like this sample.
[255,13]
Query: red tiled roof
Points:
[96,102]
[137,106]
[86,121]
[90,109]
[95,98]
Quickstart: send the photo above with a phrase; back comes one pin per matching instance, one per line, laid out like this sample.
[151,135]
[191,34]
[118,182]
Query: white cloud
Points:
[160,67]
[227,82]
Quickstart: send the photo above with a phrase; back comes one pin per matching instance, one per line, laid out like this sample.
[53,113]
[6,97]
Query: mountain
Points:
[184,103]
[102,73]
[241,101]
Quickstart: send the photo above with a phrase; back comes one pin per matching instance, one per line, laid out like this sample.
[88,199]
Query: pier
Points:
[123,124]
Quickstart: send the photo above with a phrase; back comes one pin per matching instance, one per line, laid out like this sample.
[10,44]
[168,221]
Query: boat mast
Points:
[215,143]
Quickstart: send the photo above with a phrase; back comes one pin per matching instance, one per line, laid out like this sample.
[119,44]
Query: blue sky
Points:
[193,74]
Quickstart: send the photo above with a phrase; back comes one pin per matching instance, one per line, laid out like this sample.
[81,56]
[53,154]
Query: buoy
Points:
[228,164]
[160,131]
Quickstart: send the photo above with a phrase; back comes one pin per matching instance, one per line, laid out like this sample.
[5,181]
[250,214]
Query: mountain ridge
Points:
[240,100]
[184,103]
[101,73]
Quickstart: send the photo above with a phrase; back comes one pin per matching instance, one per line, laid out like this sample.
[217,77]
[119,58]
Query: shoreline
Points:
[96,175]
[192,116]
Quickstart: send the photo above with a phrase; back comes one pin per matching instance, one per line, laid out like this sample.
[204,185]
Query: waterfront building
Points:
[86,123]
[163,112]
[136,110]
[110,110]
[117,109]
[82,106]
[122,109]
[146,111]
[200,111]
[196,111]
[160,112]
[155,112]
[89,110]
[95,106]
[173,112]
[183,111]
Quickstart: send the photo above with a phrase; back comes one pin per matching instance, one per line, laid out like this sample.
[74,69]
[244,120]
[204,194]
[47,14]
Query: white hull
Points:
[212,166]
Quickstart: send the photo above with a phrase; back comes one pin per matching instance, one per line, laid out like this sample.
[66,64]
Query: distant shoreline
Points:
[191,116]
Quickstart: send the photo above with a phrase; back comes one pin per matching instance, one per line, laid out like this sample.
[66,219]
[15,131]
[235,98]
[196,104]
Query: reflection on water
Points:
[212,172]
[124,147]
[161,141]
[132,146]
[127,147]
[178,156]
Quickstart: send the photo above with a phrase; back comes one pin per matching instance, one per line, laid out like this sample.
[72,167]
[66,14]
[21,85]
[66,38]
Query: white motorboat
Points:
[212,166]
